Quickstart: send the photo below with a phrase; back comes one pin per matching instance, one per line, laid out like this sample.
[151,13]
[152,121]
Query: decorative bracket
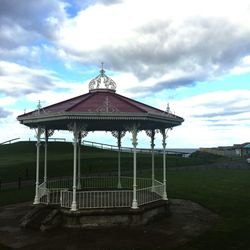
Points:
[118,135]
[151,134]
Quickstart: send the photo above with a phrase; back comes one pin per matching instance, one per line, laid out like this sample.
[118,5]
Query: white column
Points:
[45,157]
[79,162]
[38,144]
[164,136]
[153,159]
[134,142]
[74,204]
[119,159]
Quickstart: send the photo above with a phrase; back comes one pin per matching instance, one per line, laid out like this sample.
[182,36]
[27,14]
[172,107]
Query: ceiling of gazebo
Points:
[100,109]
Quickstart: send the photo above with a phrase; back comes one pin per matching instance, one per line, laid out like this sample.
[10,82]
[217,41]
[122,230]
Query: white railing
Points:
[100,192]
[99,182]
[158,188]
[66,198]
[42,191]
[60,183]
[147,195]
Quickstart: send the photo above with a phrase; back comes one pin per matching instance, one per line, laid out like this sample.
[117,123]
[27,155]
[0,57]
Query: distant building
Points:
[240,150]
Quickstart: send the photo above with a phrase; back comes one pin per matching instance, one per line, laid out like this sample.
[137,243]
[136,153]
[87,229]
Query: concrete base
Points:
[93,218]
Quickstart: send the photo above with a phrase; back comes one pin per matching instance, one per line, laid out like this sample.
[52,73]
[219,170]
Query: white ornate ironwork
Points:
[58,192]
[107,107]
[102,81]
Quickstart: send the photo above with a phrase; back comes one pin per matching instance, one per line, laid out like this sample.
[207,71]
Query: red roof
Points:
[100,104]
[99,101]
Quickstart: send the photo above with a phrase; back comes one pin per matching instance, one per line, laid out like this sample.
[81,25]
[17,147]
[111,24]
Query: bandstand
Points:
[101,109]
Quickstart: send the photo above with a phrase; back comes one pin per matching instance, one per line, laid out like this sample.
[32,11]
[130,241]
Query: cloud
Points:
[211,119]
[17,80]
[178,47]
[23,24]
[4,113]
[108,2]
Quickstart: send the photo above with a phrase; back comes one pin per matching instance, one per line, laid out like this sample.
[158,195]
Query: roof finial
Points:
[102,71]
[39,106]
[102,81]
[168,108]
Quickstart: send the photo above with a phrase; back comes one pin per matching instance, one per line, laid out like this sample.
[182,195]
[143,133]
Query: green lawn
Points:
[227,193]
[224,191]
[19,160]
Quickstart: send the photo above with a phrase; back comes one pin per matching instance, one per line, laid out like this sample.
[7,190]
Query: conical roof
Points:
[100,109]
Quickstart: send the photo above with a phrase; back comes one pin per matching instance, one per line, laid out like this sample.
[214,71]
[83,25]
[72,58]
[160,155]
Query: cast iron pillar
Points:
[75,133]
[164,136]
[39,132]
[134,143]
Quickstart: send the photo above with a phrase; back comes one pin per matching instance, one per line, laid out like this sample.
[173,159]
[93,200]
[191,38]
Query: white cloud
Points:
[18,80]
[149,45]
[173,43]
[211,119]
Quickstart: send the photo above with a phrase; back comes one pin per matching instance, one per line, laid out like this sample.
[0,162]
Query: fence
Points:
[100,192]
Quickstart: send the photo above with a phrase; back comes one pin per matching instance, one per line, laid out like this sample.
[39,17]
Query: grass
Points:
[19,160]
[11,196]
[224,191]
[227,193]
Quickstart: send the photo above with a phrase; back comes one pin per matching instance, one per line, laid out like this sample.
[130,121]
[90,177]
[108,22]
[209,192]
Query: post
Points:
[74,205]
[45,157]
[119,159]
[79,162]
[153,159]
[164,136]
[134,143]
[38,144]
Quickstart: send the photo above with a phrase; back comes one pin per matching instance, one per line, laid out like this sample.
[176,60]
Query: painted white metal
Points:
[153,158]
[79,162]
[164,136]
[74,205]
[45,156]
[38,144]
[145,195]
[134,142]
[60,183]
[59,194]
[158,188]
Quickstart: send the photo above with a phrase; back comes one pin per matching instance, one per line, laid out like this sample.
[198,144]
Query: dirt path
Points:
[187,220]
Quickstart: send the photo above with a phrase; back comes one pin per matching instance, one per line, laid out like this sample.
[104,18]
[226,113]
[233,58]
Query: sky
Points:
[193,54]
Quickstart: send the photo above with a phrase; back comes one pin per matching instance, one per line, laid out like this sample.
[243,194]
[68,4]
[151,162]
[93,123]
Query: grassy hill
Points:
[224,191]
[19,160]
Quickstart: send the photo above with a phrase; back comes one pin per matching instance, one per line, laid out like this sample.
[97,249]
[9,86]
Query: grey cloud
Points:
[169,84]
[108,2]
[4,113]
[41,82]
[225,112]
[27,22]
[26,81]
[202,48]
[221,125]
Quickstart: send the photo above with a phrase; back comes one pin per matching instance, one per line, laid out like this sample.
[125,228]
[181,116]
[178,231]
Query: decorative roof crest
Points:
[102,81]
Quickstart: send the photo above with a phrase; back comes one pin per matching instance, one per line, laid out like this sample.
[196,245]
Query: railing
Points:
[100,192]
[99,182]
[147,195]
[9,141]
[60,183]
[42,191]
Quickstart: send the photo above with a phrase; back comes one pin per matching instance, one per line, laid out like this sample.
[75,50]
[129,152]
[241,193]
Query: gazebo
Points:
[101,109]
